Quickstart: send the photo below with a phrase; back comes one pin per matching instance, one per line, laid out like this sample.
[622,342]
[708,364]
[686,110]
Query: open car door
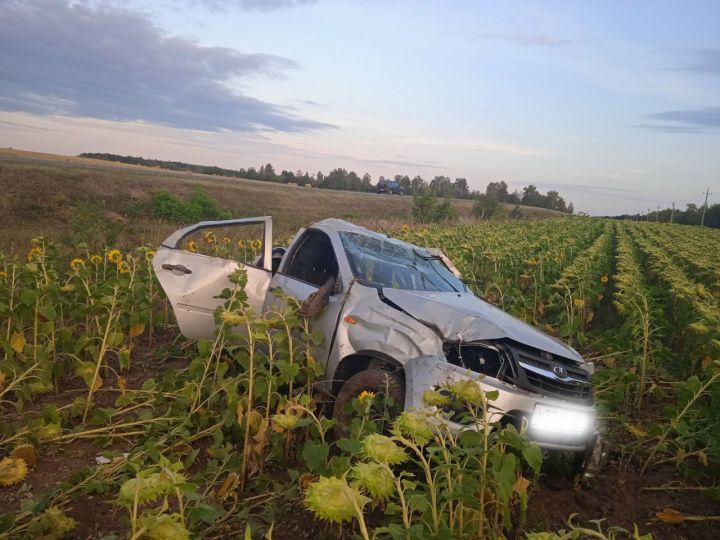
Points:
[194,272]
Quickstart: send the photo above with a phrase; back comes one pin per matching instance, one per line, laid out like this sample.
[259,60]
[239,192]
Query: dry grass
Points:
[76,199]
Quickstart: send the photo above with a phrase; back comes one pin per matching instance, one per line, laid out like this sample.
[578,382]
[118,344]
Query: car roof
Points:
[340,225]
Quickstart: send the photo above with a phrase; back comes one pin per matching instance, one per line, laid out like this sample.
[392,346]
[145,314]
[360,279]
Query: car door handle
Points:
[177,267]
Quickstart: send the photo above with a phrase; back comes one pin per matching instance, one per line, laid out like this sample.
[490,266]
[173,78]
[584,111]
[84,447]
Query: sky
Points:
[616,105]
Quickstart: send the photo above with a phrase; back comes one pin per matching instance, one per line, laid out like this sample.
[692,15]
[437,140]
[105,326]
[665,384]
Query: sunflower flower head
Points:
[3,274]
[467,391]
[58,522]
[77,264]
[149,254]
[436,398]
[114,256]
[164,527]
[241,244]
[284,421]
[603,279]
[381,448]
[12,471]
[192,246]
[96,259]
[209,237]
[366,396]
[34,254]
[579,303]
[233,318]
[406,228]
[333,499]
[374,478]
[416,425]
[123,267]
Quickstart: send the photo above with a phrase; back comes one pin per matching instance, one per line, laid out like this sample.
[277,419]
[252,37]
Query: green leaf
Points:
[48,312]
[315,455]
[533,455]
[205,513]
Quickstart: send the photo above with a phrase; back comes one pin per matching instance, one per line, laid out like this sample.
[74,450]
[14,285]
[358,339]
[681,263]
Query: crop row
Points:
[693,310]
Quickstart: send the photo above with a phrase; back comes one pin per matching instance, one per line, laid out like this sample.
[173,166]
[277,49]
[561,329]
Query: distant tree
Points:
[427,209]
[498,191]
[570,209]
[486,207]
[531,196]
[268,172]
[441,186]
[367,182]
[287,177]
[461,188]
[418,185]
[405,182]
[514,197]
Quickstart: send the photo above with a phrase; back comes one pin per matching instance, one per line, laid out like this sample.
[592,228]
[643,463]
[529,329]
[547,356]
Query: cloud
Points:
[704,120]
[528,40]
[255,5]
[114,64]
[706,61]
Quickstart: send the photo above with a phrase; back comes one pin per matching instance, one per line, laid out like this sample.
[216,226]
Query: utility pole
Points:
[657,216]
[672,214]
[707,194]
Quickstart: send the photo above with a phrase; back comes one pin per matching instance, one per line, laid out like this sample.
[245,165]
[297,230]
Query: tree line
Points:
[442,187]
[692,215]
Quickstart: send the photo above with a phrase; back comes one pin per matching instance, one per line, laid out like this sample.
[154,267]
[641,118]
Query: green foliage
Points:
[428,209]
[486,207]
[165,205]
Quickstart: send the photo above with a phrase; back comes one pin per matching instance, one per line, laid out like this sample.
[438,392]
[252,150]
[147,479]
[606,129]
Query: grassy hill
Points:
[93,201]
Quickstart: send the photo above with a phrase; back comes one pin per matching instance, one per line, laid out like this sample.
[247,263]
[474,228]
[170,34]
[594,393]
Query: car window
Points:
[381,262]
[240,242]
[312,259]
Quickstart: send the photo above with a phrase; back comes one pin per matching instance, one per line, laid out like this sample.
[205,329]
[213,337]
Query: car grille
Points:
[540,371]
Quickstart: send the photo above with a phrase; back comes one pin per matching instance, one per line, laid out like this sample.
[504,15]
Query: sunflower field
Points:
[114,426]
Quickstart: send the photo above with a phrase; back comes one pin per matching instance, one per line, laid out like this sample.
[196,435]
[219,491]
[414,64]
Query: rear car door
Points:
[193,265]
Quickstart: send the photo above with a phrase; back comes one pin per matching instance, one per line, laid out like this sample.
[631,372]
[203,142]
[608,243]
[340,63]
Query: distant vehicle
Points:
[390,186]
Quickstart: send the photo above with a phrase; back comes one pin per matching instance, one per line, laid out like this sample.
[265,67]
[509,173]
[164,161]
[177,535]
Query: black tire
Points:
[377,381]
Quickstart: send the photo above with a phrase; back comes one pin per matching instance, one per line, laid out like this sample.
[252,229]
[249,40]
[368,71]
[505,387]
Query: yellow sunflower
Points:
[241,244]
[365,395]
[34,253]
[96,259]
[192,246]
[3,274]
[123,267]
[114,256]
[77,264]
[603,279]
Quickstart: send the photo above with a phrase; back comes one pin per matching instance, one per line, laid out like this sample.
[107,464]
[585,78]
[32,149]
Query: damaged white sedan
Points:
[397,318]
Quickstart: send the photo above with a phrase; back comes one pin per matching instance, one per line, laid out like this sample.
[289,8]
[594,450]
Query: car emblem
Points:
[560,372]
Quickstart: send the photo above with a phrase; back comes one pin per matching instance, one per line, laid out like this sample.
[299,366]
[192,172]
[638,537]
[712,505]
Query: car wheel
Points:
[379,382]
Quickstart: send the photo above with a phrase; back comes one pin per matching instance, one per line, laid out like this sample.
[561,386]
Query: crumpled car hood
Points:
[466,317]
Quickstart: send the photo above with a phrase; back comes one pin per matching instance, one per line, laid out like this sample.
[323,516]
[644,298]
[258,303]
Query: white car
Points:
[394,313]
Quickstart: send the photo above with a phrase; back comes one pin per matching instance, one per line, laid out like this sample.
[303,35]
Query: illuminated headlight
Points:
[555,421]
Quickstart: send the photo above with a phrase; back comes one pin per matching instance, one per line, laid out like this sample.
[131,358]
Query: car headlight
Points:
[557,421]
